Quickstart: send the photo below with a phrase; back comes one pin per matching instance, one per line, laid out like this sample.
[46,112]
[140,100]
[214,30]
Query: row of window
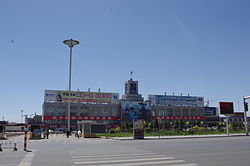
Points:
[78,113]
[178,113]
[63,107]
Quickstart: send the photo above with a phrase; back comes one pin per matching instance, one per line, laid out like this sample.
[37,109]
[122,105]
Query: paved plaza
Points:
[59,150]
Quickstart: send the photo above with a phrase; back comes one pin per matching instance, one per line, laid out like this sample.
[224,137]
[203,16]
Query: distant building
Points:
[238,117]
[37,119]
[166,107]
[98,106]
[165,112]
[171,100]
[2,129]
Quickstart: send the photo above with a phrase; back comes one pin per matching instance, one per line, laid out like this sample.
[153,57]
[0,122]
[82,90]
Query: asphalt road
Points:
[60,151]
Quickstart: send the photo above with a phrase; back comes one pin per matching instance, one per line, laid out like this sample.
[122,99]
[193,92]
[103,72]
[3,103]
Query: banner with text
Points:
[80,97]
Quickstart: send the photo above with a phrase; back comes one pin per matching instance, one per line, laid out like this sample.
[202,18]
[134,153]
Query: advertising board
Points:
[210,111]
[176,100]
[138,129]
[135,110]
[226,108]
[80,97]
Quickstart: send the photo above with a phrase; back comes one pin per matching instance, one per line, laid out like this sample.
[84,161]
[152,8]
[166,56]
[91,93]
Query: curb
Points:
[176,137]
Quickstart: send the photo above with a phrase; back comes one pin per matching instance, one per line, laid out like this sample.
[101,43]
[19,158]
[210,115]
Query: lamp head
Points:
[71,43]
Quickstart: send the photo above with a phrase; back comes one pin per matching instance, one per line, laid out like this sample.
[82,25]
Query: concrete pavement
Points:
[214,150]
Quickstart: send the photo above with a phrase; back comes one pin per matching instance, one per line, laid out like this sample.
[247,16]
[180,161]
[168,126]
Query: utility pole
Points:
[245,112]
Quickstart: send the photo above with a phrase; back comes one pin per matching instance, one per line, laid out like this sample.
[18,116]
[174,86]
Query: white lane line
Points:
[130,160]
[143,163]
[27,159]
[192,164]
[111,152]
[8,164]
[113,155]
[117,158]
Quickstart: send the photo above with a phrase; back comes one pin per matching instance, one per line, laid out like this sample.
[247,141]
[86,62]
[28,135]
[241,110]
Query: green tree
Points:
[165,125]
[127,125]
[156,124]
[118,129]
[235,126]
[201,122]
[150,125]
[176,125]
[123,127]
[182,125]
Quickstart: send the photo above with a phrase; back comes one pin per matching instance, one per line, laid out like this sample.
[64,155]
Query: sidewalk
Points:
[179,137]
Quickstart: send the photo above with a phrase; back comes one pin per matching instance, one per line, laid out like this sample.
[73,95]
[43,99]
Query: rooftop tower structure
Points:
[131,90]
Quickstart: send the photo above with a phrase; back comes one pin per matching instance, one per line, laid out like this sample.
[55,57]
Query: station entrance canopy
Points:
[80,97]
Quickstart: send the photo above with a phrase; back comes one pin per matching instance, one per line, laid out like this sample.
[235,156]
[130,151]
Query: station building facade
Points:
[106,107]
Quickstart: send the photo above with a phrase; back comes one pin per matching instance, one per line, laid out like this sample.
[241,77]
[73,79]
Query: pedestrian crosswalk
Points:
[107,152]
[71,140]
[136,158]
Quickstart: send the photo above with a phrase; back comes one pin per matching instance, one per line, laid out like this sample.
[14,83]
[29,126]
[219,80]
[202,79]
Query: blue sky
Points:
[200,47]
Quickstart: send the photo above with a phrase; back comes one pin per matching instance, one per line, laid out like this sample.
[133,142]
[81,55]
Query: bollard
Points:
[15,148]
[1,148]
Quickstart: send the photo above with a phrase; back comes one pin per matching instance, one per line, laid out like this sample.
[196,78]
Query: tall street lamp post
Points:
[71,43]
[21,116]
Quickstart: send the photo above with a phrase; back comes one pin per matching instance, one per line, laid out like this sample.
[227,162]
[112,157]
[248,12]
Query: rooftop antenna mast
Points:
[131,73]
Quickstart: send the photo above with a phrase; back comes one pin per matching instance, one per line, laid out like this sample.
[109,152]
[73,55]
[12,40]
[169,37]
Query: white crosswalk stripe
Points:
[126,159]
[116,155]
[71,140]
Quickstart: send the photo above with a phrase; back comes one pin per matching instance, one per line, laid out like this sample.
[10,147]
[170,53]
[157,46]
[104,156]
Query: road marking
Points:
[111,158]
[130,160]
[192,164]
[143,163]
[8,164]
[113,155]
[27,159]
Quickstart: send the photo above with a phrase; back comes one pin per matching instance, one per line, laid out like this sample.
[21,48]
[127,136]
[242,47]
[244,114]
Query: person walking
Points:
[68,133]
[47,134]
[44,134]
[79,133]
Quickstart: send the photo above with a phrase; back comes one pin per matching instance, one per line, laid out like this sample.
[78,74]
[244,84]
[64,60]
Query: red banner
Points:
[179,117]
[81,118]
